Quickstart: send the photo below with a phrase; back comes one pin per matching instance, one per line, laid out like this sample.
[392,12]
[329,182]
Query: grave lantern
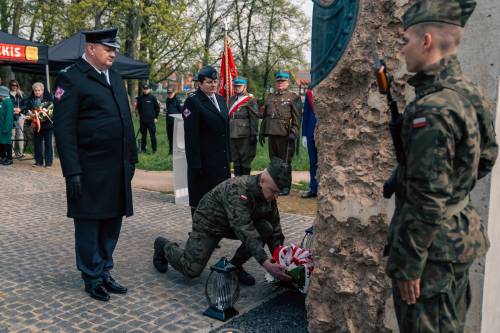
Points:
[308,239]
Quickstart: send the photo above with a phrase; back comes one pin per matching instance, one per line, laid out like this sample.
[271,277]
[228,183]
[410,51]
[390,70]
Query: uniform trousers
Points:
[243,152]
[313,164]
[283,148]
[443,303]
[170,134]
[43,147]
[95,241]
[145,128]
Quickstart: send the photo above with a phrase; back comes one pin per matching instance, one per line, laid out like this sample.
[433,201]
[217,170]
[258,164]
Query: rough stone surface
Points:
[349,288]
[41,290]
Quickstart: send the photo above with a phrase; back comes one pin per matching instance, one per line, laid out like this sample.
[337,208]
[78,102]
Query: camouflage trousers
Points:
[243,152]
[443,303]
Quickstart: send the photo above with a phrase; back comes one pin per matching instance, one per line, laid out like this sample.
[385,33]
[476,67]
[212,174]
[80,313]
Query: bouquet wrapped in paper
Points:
[41,114]
[298,263]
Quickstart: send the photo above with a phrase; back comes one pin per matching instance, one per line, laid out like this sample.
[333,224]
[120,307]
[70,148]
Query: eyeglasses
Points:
[14,85]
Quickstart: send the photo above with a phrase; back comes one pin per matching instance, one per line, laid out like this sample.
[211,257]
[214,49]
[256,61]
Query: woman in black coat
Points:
[206,135]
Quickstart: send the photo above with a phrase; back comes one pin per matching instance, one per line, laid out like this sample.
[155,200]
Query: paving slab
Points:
[41,290]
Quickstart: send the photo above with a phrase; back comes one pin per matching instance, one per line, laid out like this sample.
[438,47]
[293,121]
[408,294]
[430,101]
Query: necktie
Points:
[103,75]
[212,98]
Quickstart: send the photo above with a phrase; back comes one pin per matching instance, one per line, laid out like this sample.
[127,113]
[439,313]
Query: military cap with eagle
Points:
[455,12]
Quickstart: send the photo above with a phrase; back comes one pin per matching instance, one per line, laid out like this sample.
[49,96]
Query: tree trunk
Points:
[267,65]
[16,16]
[349,290]
[4,16]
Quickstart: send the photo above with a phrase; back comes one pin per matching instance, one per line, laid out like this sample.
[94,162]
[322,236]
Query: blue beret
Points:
[105,36]
[282,76]
[240,81]
[207,72]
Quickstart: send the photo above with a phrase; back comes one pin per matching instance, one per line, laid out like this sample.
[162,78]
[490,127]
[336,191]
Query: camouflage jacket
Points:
[244,121]
[236,209]
[282,114]
[448,142]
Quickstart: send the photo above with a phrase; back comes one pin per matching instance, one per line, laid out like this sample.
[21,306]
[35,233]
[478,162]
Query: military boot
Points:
[285,191]
[244,277]
[159,260]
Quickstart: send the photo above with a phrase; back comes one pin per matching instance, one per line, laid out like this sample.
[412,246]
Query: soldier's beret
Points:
[105,36]
[207,72]
[282,76]
[240,81]
[4,91]
[280,172]
[456,12]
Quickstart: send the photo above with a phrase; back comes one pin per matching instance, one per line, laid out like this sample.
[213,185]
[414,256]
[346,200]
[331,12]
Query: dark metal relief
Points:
[334,22]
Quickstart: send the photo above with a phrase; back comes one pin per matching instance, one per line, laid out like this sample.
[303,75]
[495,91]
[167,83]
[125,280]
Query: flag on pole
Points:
[228,71]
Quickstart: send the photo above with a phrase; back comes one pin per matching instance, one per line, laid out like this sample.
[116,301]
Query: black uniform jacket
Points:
[206,135]
[173,107]
[95,139]
[148,108]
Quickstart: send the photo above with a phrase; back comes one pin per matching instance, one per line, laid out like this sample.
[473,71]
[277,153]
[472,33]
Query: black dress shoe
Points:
[309,194]
[97,291]
[285,191]
[159,260]
[244,277]
[113,287]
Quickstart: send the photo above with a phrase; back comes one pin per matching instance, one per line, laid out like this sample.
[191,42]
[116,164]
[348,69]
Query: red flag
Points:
[228,72]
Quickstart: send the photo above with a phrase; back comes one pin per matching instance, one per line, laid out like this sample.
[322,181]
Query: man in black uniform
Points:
[148,109]
[95,141]
[173,107]
[206,136]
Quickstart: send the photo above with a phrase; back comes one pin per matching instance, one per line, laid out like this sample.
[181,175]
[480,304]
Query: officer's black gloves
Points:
[74,187]
[262,140]
[132,170]
[390,185]
[253,140]
[291,137]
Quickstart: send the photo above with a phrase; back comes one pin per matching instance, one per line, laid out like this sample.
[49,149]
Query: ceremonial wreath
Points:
[40,114]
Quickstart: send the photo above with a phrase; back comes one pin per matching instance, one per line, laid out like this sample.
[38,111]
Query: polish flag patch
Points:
[243,198]
[59,93]
[186,113]
[420,122]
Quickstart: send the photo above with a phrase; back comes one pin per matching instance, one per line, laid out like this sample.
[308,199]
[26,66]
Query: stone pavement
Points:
[41,290]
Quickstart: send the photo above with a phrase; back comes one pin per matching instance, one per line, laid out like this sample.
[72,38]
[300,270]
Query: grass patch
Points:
[301,186]
[162,161]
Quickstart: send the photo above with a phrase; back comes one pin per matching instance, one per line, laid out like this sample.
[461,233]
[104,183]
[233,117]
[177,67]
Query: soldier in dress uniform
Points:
[243,127]
[95,141]
[241,208]
[206,135]
[281,122]
[448,143]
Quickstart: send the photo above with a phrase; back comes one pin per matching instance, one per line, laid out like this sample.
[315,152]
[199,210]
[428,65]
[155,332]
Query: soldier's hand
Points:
[409,290]
[74,186]
[390,185]
[156,120]
[262,140]
[276,270]
[253,140]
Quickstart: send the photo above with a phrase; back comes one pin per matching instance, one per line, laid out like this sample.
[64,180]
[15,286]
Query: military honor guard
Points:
[206,135]
[95,141]
[241,208]
[281,122]
[448,143]
[243,127]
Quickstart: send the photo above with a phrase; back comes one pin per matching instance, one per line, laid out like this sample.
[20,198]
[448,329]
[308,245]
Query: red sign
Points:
[12,52]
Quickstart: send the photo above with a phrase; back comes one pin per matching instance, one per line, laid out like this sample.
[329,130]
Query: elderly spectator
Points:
[17,97]
[6,123]
[43,132]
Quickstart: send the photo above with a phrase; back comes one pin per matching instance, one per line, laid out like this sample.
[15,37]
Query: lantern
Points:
[308,239]
[222,290]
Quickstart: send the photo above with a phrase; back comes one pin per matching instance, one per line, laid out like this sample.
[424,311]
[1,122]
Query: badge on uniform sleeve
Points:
[59,93]
[243,198]
[186,113]
[420,122]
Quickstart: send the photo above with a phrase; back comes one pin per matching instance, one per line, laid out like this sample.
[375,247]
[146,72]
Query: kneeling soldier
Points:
[241,208]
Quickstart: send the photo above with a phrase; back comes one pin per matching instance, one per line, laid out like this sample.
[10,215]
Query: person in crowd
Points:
[148,109]
[6,123]
[96,145]
[17,97]
[173,107]
[42,124]
[308,127]
[448,143]
[281,122]
[243,127]
[241,208]
[206,136]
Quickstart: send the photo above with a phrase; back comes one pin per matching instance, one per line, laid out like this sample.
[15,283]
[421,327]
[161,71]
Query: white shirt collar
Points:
[106,72]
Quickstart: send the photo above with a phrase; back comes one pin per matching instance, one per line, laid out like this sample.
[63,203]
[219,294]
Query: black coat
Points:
[173,106]
[206,135]
[95,139]
[148,108]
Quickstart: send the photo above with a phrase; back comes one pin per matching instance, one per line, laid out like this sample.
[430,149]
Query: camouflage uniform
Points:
[281,119]
[243,129]
[448,143]
[234,209]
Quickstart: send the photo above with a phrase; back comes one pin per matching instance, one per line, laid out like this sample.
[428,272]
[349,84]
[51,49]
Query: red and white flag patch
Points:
[59,93]
[186,113]
[243,198]
[420,122]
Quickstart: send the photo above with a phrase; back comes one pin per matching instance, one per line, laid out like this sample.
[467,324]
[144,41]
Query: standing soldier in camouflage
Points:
[281,122]
[448,144]
[243,127]
[241,208]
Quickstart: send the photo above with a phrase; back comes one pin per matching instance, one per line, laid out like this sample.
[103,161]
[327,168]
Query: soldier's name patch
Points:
[243,198]
[420,122]
[186,113]
[58,93]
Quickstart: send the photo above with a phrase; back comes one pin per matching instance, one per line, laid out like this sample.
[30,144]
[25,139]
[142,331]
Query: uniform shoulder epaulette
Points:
[64,70]
[191,94]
